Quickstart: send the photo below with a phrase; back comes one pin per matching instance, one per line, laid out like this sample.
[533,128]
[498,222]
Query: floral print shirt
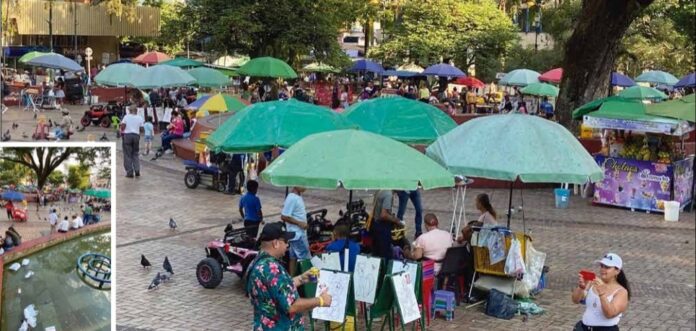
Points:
[272,292]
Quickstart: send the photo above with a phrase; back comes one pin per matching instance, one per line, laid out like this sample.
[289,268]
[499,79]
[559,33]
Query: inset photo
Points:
[56,237]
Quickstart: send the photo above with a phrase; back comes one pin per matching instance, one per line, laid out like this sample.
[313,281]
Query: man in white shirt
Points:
[64,225]
[295,216]
[433,244]
[77,222]
[130,125]
[53,220]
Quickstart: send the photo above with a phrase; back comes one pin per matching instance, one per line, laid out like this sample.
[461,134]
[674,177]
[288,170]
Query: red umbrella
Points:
[469,81]
[553,75]
[151,58]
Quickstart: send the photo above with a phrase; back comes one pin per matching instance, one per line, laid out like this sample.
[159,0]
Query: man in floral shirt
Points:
[273,293]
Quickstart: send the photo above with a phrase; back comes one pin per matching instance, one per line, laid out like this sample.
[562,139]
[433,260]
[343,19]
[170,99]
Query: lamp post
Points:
[88,57]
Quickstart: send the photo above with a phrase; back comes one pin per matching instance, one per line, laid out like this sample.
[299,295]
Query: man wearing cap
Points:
[273,293]
[433,244]
[294,215]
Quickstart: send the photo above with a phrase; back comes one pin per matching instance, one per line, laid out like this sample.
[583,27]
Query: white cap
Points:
[611,260]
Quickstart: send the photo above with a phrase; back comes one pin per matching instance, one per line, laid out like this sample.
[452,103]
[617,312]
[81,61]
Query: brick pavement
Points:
[659,256]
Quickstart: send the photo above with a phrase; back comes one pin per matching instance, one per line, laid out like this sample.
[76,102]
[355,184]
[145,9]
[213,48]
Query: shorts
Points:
[299,248]
[148,139]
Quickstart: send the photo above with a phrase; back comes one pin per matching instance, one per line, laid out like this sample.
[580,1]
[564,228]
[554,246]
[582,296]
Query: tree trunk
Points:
[591,51]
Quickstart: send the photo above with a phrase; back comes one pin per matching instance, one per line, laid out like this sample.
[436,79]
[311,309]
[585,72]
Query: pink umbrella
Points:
[553,75]
[151,58]
[470,81]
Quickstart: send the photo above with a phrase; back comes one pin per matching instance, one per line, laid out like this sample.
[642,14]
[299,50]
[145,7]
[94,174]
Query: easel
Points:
[459,205]
[309,290]
[385,302]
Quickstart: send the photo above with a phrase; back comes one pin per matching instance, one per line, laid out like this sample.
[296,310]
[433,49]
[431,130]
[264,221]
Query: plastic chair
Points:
[443,302]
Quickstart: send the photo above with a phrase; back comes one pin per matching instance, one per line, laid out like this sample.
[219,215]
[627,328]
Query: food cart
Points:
[644,161]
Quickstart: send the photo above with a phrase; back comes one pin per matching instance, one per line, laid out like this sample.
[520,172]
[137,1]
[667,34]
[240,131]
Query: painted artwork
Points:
[336,283]
[405,298]
[683,179]
[642,185]
[367,275]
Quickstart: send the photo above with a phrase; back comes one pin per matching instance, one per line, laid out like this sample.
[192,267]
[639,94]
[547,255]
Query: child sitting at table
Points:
[341,242]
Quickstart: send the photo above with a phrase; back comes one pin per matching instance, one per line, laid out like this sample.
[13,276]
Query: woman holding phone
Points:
[605,296]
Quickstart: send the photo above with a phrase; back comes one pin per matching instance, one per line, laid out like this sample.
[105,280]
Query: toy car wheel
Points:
[85,121]
[221,187]
[105,122]
[209,273]
[191,179]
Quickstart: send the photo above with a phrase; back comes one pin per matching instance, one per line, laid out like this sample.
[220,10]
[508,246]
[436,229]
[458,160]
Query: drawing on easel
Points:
[337,284]
[411,268]
[405,297]
[331,261]
[367,274]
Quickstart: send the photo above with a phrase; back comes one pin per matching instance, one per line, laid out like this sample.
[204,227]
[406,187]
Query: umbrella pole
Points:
[287,191]
[509,213]
[350,196]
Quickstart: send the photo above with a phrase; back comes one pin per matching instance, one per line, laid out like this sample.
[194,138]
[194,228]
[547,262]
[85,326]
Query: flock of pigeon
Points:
[7,136]
[160,277]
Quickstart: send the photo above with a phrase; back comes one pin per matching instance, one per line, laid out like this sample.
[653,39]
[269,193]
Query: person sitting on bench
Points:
[175,130]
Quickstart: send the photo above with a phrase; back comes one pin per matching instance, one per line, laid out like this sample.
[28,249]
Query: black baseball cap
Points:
[273,231]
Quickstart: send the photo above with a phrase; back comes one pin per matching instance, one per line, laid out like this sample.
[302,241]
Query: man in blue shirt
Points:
[547,108]
[250,209]
[341,243]
[294,215]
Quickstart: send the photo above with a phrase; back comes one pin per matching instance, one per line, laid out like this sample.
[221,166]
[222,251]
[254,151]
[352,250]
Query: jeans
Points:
[415,197]
[167,140]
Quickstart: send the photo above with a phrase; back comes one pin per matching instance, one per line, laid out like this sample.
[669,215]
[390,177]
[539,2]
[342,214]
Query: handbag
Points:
[500,305]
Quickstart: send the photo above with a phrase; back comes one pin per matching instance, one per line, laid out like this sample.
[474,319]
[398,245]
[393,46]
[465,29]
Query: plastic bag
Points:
[514,264]
[496,247]
[500,306]
[535,266]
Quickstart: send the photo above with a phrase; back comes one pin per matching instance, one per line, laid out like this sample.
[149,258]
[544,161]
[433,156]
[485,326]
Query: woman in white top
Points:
[605,298]
[488,215]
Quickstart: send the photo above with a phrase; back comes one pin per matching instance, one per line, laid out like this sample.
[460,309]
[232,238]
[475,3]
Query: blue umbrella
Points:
[443,70]
[664,88]
[401,73]
[618,79]
[687,81]
[13,196]
[55,61]
[366,65]
[520,77]
[657,77]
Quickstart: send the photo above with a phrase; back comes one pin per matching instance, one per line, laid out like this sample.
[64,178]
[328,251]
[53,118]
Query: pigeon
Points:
[14,126]
[144,262]
[50,123]
[6,136]
[80,128]
[104,137]
[172,224]
[165,278]
[25,135]
[155,282]
[167,266]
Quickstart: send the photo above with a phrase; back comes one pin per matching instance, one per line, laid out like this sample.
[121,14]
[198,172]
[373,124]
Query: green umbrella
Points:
[207,77]
[98,193]
[265,125]
[540,89]
[364,161]
[657,77]
[520,77]
[405,120]
[28,56]
[683,108]
[319,67]
[594,105]
[162,76]
[642,93]
[267,67]
[118,74]
[182,62]
[515,146]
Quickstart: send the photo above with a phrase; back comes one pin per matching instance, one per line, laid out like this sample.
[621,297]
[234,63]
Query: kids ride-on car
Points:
[234,253]
[19,215]
[100,114]
[197,173]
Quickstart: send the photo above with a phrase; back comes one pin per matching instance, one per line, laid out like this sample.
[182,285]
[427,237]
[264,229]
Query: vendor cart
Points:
[482,260]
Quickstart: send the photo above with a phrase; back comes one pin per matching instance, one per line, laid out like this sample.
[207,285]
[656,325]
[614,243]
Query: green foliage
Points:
[540,60]
[78,177]
[560,21]
[13,173]
[470,32]
[177,27]
[56,178]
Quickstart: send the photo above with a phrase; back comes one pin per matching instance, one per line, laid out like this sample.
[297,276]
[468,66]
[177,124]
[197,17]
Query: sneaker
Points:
[169,151]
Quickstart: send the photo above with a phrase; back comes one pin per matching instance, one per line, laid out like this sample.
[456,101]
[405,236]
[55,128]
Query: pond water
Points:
[60,296]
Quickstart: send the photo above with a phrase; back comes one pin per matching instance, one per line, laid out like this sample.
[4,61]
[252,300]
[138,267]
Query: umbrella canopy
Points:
[182,62]
[98,193]
[119,74]
[596,104]
[520,77]
[540,89]
[642,93]
[55,61]
[687,81]
[366,65]
[443,70]
[208,77]
[552,76]
[151,58]
[231,61]
[31,55]
[618,79]
[12,196]
[402,119]
[410,67]
[682,108]
[265,125]
[514,151]
[657,77]
[470,82]
[392,165]
[217,103]
[400,73]
[319,67]
[267,67]
[162,76]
